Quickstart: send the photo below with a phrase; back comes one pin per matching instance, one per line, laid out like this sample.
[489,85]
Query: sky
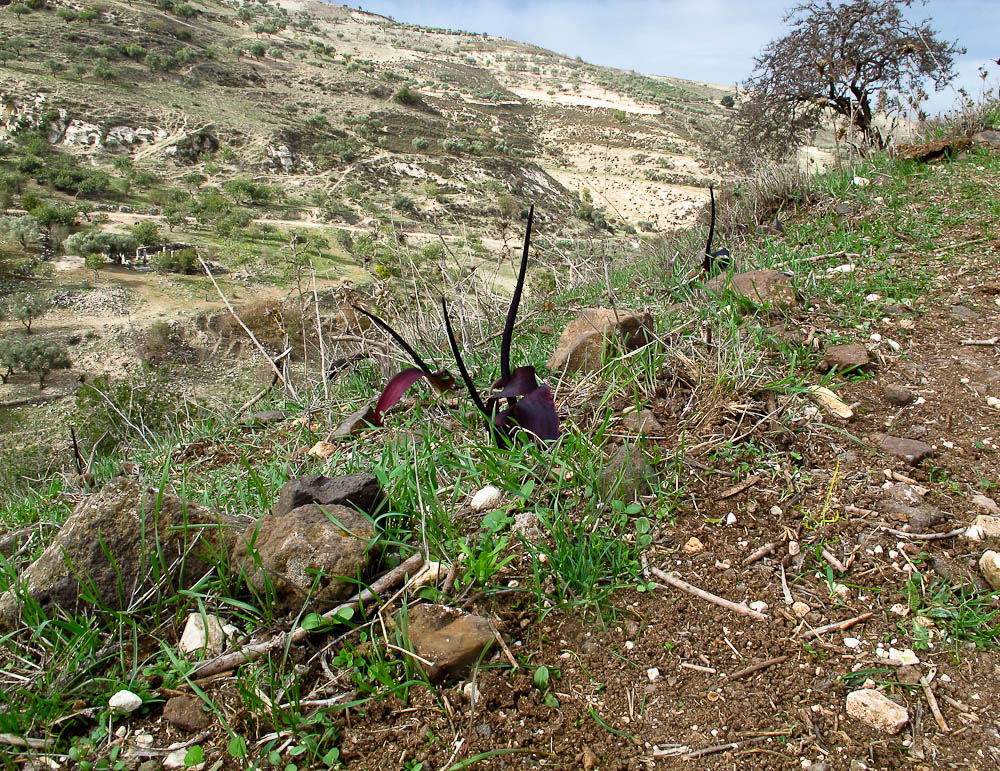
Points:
[710,40]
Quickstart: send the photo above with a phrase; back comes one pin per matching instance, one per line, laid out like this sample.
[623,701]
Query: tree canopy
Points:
[855,58]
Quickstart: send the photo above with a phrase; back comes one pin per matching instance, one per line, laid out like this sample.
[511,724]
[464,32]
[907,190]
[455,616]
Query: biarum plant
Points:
[720,257]
[400,383]
[530,406]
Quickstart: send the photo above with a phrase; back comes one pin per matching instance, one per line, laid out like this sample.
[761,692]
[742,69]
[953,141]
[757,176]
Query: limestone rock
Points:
[629,465]
[984,526]
[989,137]
[313,552]
[281,157]
[899,395]
[830,402]
[693,546]
[486,499]
[190,147]
[845,357]
[323,450]
[450,638]
[989,566]
[361,491]
[979,500]
[877,710]
[187,713]
[112,539]
[355,423]
[202,633]
[125,701]
[584,342]
[761,287]
[912,451]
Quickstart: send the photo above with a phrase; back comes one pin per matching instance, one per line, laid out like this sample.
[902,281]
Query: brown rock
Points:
[642,422]
[315,552]
[111,543]
[585,341]
[355,423]
[899,395]
[450,638]
[845,357]
[767,288]
[362,491]
[186,713]
[626,474]
[267,417]
[929,152]
[323,450]
[911,450]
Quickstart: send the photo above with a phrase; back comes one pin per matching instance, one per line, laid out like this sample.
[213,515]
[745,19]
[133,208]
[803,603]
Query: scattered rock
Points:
[642,422]
[202,633]
[989,137]
[758,605]
[629,466]
[912,451]
[125,701]
[176,759]
[983,502]
[964,314]
[589,759]
[877,710]
[190,147]
[312,551]
[451,639]
[989,566]
[11,541]
[186,713]
[845,357]
[267,417]
[931,152]
[527,524]
[918,519]
[486,499]
[355,423]
[587,338]
[800,609]
[362,491]
[110,542]
[323,450]
[843,209]
[762,287]
[693,546]
[903,492]
[899,395]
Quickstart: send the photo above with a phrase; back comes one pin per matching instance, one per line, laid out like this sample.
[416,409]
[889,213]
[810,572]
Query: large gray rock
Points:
[767,288]
[315,553]
[587,338]
[451,639]
[115,542]
[362,491]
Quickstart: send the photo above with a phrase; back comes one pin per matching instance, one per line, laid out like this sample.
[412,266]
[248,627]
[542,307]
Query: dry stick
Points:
[833,562]
[684,586]
[762,552]
[935,709]
[923,536]
[988,341]
[225,300]
[719,748]
[322,346]
[758,667]
[840,626]
[18,741]
[736,489]
[230,661]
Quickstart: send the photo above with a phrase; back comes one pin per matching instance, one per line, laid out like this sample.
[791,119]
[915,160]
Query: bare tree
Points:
[841,56]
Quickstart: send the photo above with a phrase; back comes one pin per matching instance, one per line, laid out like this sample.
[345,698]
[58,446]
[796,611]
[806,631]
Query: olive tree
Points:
[855,58]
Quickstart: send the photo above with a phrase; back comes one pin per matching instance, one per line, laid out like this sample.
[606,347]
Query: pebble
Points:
[899,395]
[877,710]
[486,499]
[758,605]
[986,503]
[800,609]
[125,701]
[653,674]
[322,450]
[983,526]
[730,518]
[989,566]
[852,642]
[776,511]
[199,635]
[693,546]
[794,548]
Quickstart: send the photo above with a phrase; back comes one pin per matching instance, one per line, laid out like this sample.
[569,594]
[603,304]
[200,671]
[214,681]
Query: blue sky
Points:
[713,40]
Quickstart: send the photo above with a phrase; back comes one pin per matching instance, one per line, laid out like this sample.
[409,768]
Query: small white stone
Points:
[202,633]
[486,499]
[776,511]
[876,337]
[800,609]
[989,566]
[873,298]
[842,591]
[629,645]
[877,710]
[862,181]
[794,548]
[175,759]
[471,691]
[992,401]
[758,605]
[730,518]
[893,344]
[693,546]
[125,701]
[852,642]
[899,610]
[653,674]
[144,740]
[989,526]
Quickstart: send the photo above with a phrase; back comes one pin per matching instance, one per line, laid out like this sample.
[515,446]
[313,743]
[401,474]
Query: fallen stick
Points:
[762,552]
[684,586]
[20,741]
[229,661]
[833,562]
[699,668]
[840,626]
[935,709]
[988,341]
[736,489]
[923,536]
[758,667]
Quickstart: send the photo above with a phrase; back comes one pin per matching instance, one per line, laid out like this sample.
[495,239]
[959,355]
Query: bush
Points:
[404,203]
[406,96]
[26,307]
[40,357]
[180,261]
[146,233]
[420,143]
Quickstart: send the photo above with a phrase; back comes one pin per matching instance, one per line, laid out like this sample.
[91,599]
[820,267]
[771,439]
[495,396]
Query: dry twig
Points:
[684,586]
[840,626]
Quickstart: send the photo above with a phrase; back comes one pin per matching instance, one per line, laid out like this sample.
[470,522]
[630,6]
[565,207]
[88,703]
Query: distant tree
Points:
[257,49]
[186,10]
[8,356]
[174,214]
[103,72]
[146,233]
[95,261]
[66,13]
[23,230]
[40,357]
[88,14]
[728,101]
[839,56]
[26,307]
[19,9]
[113,245]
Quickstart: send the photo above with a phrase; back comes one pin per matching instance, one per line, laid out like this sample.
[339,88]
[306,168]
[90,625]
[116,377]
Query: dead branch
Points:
[684,586]
[923,536]
[758,667]
[762,552]
[840,626]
